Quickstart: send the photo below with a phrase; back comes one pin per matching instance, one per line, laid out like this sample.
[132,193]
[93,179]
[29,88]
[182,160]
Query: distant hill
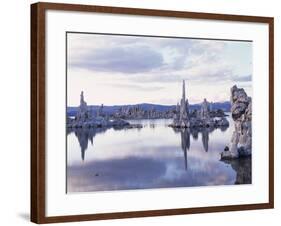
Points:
[71,111]
[225,106]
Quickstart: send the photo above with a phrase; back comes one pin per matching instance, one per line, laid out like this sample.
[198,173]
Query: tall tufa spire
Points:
[183,110]
[82,98]
[183,90]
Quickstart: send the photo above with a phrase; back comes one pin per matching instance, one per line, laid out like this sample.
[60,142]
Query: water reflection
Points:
[185,136]
[243,169]
[223,128]
[184,141]
[185,144]
[152,157]
[84,135]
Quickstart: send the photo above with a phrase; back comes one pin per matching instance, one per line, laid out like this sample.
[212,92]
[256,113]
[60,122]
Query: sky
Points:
[122,69]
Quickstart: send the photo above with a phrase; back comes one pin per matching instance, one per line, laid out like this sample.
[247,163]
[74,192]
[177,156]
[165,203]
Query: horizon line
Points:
[148,103]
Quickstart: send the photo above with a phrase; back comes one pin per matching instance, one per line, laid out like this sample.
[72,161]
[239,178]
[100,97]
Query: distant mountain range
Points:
[225,106]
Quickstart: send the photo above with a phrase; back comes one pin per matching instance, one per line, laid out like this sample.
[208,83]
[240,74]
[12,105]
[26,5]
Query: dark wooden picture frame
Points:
[38,117]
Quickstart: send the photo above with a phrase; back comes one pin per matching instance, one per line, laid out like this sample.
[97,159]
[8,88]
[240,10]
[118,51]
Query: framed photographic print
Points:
[141,112]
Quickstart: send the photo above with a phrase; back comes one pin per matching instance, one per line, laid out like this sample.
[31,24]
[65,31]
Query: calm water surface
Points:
[155,156]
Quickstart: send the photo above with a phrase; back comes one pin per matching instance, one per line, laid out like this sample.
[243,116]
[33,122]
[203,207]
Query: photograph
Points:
[146,112]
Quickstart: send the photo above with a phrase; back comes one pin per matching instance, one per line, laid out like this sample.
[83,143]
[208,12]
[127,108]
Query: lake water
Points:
[155,156]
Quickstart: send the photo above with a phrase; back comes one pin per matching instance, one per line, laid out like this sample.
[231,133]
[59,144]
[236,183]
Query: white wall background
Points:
[15,105]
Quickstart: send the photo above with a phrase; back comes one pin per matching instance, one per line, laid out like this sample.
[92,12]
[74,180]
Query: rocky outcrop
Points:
[217,113]
[85,118]
[205,109]
[222,122]
[181,116]
[84,114]
[138,112]
[202,118]
[241,112]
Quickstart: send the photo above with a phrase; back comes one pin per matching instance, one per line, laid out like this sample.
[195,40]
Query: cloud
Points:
[150,60]
[126,54]
[132,59]
[137,87]
[246,78]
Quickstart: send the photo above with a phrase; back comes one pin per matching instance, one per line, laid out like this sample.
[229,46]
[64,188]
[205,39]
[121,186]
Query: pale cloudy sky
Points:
[114,69]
